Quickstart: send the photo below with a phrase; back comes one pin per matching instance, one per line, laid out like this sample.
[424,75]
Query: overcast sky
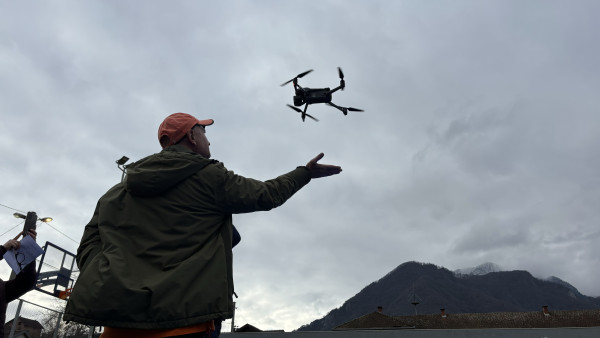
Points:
[479,141]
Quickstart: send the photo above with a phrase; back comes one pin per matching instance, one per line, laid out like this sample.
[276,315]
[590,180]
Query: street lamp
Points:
[122,160]
[30,220]
[121,165]
[43,219]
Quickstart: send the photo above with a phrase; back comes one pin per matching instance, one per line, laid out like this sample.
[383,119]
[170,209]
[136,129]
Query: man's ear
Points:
[190,136]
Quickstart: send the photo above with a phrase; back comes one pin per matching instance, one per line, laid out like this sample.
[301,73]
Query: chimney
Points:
[443,313]
[545,310]
[380,309]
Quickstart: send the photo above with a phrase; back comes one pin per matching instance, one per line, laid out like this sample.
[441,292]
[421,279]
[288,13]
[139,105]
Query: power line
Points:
[62,233]
[6,206]
[7,231]
[76,242]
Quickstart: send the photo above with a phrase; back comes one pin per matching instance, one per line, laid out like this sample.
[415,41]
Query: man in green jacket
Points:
[155,260]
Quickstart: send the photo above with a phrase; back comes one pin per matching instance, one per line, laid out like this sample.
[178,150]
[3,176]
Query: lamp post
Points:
[121,165]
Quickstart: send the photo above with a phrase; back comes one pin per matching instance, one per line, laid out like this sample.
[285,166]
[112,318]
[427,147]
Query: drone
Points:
[305,96]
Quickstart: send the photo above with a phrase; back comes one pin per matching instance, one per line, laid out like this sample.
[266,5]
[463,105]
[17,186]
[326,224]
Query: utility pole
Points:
[233,319]
[30,221]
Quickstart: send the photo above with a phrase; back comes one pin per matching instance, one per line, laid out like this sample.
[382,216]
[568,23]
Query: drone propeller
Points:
[342,82]
[344,110]
[314,118]
[297,77]
[294,108]
[302,112]
[302,74]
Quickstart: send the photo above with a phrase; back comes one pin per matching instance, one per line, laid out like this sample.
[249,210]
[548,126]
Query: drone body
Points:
[312,95]
[305,96]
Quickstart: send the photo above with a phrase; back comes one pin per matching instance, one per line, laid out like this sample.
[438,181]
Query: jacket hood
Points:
[156,174]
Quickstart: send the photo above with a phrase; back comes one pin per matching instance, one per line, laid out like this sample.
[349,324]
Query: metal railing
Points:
[49,320]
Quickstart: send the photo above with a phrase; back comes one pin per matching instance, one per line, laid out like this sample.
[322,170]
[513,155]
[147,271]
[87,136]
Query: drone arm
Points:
[342,109]
[296,86]
[341,86]
[336,89]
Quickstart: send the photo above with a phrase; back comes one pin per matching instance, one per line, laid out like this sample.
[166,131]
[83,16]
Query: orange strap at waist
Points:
[116,332]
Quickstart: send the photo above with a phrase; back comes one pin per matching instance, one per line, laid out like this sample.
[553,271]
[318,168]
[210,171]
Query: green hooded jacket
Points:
[157,251]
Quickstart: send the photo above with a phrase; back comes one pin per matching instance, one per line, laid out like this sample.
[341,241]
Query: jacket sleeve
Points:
[90,243]
[22,283]
[240,194]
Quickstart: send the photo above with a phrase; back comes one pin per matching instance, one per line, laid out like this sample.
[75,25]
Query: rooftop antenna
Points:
[415,300]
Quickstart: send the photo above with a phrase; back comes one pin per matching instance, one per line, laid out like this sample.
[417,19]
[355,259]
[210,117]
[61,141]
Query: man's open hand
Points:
[322,170]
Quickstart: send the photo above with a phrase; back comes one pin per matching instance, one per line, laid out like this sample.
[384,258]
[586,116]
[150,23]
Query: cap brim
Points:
[206,122]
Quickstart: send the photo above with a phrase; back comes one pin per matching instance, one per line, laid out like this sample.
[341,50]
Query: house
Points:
[26,327]
[250,328]
[505,320]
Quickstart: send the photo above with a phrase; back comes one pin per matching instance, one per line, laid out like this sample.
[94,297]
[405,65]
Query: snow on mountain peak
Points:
[481,269]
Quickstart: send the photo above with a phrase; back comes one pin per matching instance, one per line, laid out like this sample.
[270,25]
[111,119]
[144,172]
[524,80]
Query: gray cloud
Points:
[478,142]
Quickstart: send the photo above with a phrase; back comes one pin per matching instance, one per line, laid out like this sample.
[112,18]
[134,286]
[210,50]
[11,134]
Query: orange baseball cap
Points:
[175,126]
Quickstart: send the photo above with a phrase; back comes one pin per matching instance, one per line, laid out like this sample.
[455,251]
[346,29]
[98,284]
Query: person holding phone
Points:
[25,280]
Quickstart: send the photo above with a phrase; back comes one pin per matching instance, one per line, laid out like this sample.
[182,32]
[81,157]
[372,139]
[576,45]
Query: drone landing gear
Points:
[344,110]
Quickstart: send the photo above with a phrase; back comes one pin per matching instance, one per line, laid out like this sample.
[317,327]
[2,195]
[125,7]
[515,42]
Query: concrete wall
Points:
[586,332]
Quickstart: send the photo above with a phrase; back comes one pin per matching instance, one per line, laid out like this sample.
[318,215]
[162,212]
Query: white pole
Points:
[14,324]
[57,325]
[233,319]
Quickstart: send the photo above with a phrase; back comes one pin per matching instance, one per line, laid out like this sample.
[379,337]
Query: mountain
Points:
[435,287]
[562,282]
